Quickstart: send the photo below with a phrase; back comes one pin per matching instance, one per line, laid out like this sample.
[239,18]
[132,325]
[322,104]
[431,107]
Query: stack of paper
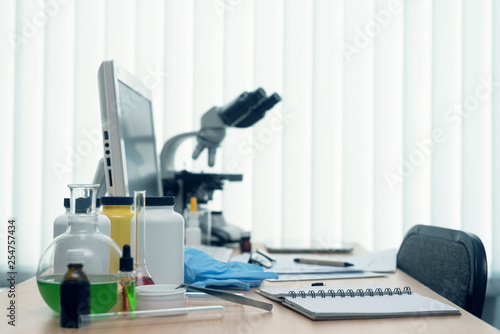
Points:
[368,265]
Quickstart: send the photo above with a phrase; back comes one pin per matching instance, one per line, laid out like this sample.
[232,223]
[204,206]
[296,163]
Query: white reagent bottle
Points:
[193,230]
[164,241]
[61,222]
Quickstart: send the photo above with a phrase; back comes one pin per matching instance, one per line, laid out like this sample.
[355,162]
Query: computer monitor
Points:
[130,156]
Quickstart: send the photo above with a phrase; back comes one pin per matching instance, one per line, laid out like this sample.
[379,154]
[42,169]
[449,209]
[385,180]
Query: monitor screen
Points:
[130,155]
[139,141]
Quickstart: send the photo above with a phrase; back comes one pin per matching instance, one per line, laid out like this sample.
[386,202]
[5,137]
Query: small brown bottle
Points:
[74,291]
[245,245]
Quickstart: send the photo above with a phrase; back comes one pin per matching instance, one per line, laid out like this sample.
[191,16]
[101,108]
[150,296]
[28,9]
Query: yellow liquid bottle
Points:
[119,211]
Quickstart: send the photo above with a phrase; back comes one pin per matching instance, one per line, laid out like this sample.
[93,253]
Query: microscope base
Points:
[222,232]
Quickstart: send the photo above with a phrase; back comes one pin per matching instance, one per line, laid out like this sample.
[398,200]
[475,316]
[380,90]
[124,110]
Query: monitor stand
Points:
[100,179]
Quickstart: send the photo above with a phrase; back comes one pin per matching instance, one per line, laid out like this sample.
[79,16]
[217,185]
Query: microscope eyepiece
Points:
[233,110]
[258,111]
[248,108]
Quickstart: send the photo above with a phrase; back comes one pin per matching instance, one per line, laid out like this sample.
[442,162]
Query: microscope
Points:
[244,111]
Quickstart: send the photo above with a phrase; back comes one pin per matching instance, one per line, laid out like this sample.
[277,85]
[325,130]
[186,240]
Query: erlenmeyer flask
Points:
[101,253]
[142,274]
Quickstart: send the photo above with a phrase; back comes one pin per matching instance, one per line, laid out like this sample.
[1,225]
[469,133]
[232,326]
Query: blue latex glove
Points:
[202,270]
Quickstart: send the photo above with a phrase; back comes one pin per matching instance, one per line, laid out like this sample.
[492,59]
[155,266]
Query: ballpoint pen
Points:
[324,262]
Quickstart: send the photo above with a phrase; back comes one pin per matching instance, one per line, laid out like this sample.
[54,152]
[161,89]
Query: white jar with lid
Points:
[164,241]
[159,297]
[61,222]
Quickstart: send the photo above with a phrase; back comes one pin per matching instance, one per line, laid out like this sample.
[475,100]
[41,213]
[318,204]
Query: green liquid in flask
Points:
[102,292]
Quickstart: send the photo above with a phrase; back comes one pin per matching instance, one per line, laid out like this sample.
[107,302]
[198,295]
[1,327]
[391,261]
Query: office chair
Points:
[450,262]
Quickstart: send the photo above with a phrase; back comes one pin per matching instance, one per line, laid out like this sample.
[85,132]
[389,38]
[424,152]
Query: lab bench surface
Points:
[34,316]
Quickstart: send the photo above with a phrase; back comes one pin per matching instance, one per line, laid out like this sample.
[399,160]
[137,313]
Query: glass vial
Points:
[74,291]
[126,282]
[143,277]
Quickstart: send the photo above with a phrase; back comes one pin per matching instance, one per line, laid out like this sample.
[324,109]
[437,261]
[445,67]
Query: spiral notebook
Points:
[334,303]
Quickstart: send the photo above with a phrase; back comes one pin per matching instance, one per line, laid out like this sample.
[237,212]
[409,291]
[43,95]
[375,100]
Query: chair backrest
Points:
[450,262]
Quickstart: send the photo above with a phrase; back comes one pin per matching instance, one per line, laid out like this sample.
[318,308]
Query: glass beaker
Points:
[143,277]
[101,253]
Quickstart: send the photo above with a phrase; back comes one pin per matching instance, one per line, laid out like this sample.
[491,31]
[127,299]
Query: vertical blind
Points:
[389,115]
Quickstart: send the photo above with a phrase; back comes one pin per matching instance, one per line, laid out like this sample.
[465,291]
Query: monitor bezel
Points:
[109,75]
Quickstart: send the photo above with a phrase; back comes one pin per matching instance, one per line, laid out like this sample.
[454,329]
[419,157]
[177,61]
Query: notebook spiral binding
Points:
[350,293]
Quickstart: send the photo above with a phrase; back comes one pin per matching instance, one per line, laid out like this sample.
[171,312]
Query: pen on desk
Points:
[324,262]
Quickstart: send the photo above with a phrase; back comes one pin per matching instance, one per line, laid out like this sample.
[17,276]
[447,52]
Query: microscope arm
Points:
[211,134]
[167,154]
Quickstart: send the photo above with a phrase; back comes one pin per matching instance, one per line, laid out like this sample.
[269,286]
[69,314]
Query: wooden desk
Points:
[34,316]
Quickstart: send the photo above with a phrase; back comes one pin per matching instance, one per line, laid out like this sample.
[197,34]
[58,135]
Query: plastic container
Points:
[119,211]
[165,241]
[193,230]
[159,296]
[101,256]
[61,222]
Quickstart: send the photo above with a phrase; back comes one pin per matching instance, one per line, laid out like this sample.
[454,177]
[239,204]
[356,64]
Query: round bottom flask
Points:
[101,255]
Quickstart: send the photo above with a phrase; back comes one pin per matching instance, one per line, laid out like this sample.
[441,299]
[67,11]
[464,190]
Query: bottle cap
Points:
[117,200]
[126,261]
[75,256]
[160,201]
[82,204]
[194,203]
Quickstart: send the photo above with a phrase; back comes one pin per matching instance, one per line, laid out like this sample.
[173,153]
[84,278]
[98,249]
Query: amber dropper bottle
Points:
[74,291]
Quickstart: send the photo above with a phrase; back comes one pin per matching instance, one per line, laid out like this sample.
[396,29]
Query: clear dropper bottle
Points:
[125,300]
[142,274]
